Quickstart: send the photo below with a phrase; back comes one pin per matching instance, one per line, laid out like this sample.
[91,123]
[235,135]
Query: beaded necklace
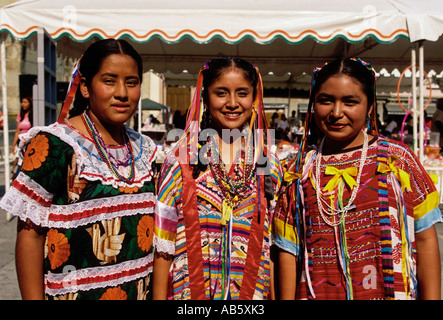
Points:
[233,189]
[111,162]
[330,211]
[338,215]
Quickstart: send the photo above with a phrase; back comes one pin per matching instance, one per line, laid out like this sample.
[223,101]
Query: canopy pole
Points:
[421,98]
[414,96]
[5,116]
[139,116]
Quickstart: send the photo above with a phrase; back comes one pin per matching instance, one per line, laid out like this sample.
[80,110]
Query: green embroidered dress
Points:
[98,228]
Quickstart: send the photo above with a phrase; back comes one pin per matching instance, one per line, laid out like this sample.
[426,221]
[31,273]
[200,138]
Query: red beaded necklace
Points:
[232,187]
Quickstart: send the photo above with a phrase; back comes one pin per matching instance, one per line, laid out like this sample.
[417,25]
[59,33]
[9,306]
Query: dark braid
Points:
[79,105]
[206,123]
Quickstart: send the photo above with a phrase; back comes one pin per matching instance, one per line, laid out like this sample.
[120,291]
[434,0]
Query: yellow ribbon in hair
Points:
[339,176]
[401,175]
[289,176]
[227,209]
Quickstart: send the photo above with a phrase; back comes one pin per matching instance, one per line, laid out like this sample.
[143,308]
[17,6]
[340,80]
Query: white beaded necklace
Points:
[330,211]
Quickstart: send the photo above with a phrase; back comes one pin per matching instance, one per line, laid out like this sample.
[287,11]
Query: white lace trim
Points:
[37,189]
[161,245]
[72,215]
[89,165]
[25,207]
[91,211]
[73,280]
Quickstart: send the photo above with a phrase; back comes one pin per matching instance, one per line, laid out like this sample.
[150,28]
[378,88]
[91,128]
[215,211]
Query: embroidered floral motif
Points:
[75,184]
[58,248]
[145,231]
[127,189]
[143,288]
[114,294]
[106,247]
[36,153]
[67,296]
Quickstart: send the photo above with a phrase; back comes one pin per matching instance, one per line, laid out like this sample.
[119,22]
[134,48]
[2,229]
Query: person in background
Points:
[24,123]
[292,121]
[179,120]
[274,121]
[437,120]
[390,127]
[282,128]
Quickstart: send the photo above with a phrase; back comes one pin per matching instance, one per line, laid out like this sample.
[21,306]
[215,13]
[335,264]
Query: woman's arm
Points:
[29,257]
[428,264]
[160,277]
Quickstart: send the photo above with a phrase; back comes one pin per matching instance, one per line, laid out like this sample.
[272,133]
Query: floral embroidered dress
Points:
[249,234]
[98,228]
[372,253]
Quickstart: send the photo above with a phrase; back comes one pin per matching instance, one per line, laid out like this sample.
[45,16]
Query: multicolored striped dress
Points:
[372,254]
[99,229]
[202,248]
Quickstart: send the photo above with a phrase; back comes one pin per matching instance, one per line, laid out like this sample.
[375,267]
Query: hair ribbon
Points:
[72,89]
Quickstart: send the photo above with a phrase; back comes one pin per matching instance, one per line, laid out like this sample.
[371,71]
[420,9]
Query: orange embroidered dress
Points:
[98,228]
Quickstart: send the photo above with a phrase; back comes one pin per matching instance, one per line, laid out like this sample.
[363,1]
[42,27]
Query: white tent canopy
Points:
[202,21]
[280,37]
[285,39]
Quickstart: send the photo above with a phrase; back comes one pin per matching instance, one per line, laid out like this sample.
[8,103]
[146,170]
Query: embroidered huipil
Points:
[374,255]
[170,232]
[99,229]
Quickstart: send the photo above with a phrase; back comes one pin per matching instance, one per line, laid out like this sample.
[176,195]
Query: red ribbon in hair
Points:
[72,89]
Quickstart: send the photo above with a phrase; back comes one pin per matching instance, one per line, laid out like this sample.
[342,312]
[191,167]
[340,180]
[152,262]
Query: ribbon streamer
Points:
[227,209]
[72,89]
[289,176]
[401,175]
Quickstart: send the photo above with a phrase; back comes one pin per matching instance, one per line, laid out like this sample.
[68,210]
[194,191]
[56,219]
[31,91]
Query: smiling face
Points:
[114,91]
[230,99]
[341,110]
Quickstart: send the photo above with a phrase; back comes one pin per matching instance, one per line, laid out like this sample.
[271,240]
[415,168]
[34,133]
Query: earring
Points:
[368,124]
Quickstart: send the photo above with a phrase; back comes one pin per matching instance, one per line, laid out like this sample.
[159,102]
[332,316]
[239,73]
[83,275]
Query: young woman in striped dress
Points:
[216,193]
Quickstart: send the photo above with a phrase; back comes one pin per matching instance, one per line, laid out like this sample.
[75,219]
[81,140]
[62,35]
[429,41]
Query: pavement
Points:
[8,278]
